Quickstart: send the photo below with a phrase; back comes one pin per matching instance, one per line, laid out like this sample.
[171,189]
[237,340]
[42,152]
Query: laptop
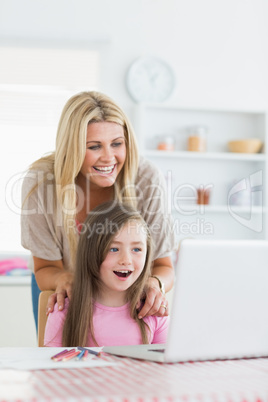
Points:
[219,306]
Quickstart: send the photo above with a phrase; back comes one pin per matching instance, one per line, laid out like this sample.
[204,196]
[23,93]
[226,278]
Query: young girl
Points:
[114,259]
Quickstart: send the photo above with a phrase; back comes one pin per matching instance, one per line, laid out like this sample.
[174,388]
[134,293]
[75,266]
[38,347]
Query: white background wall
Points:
[218,48]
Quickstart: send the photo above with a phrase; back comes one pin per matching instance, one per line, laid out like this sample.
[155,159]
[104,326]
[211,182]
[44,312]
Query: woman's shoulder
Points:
[39,172]
[148,172]
[44,164]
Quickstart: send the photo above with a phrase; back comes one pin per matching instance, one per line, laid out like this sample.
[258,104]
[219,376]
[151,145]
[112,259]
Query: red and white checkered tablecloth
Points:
[141,381]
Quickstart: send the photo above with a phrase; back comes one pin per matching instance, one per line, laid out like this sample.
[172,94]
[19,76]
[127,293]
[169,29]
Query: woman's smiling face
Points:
[105,153]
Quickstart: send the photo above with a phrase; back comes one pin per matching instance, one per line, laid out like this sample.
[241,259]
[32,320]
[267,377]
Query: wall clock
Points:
[150,79]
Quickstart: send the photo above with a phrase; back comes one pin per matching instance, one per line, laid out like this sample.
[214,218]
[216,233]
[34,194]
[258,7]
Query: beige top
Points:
[42,231]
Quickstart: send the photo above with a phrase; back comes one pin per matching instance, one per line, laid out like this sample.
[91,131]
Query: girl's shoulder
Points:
[54,325]
[64,310]
[158,328]
[157,322]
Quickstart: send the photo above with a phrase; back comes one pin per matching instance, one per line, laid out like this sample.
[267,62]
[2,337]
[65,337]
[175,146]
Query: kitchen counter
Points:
[6,280]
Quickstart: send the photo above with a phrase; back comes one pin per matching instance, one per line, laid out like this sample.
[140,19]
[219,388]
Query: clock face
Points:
[150,80]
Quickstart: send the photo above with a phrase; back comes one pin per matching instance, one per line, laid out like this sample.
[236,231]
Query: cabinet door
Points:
[17,321]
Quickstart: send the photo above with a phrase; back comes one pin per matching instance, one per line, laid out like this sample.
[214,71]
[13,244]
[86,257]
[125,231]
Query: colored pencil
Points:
[71,356]
[92,352]
[81,354]
[85,355]
[58,354]
[61,357]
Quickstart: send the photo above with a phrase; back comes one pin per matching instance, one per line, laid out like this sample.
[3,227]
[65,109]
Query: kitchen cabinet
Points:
[17,321]
[236,181]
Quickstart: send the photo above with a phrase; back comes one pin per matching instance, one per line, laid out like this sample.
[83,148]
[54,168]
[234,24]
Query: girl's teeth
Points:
[123,272]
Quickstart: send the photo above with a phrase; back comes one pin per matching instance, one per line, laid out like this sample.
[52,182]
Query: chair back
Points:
[42,317]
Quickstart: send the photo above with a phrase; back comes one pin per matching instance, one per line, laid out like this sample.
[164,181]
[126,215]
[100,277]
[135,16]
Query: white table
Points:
[134,380]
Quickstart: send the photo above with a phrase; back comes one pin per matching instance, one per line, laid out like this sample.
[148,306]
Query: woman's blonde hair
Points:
[66,162]
[99,229]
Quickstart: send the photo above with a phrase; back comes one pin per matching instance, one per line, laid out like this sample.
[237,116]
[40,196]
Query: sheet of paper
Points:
[40,359]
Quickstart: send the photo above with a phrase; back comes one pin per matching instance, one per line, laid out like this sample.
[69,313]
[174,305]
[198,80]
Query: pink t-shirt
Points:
[113,326]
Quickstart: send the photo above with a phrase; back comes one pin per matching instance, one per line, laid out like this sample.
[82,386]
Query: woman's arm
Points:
[50,275]
[152,202]
[155,299]
[163,269]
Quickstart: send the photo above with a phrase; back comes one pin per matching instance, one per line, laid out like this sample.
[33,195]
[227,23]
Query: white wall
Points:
[218,48]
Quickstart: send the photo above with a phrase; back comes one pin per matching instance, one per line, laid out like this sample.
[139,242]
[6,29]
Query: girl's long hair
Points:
[98,231]
[66,162]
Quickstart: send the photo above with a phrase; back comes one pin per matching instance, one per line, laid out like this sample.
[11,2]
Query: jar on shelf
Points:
[166,143]
[203,195]
[197,139]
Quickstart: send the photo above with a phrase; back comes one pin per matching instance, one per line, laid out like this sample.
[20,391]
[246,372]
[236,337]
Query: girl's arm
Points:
[50,275]
[164,270]
[54,327]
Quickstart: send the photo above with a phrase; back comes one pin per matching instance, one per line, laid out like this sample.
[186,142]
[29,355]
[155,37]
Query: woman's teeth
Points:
[104,169]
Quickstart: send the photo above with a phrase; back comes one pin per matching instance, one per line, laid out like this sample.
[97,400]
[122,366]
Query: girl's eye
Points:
[113,249]
[136,249]
[94,147]
[116,144]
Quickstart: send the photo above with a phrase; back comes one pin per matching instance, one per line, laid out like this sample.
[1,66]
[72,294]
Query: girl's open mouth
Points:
[122,274]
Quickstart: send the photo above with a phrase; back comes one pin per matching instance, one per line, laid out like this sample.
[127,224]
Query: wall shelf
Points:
[233,176]
[221,209]
[205,155]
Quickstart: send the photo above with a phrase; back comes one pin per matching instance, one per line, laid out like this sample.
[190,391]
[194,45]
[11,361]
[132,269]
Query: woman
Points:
[95,161]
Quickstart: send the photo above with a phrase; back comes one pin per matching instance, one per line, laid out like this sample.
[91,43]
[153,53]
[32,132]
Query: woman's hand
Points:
[63,289]
[155,302]
[51,275]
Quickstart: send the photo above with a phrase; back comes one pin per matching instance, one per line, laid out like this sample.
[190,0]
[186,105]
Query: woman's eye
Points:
[116,144]
[94,147]
[113,249]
